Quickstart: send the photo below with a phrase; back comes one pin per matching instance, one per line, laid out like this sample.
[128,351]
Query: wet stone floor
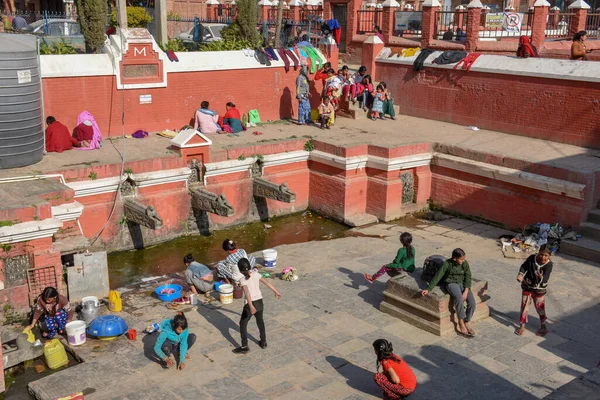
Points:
[320,332]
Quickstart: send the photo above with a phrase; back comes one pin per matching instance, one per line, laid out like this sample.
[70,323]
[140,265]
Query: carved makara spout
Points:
[264,188]
[142,215]
[212,203]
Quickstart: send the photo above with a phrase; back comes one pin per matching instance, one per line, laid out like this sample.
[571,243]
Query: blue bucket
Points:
[169,297]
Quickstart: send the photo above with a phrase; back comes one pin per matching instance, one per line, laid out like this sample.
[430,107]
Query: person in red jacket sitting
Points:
[58,137]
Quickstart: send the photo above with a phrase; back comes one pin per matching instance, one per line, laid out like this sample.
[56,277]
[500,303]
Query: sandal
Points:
[519,331]
[367,278]
[542,332]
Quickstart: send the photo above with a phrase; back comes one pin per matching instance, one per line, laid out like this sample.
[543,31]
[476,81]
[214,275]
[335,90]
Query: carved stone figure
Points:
[212,203]
[408,187]
[196,175]
[264,188]
[128,187]
[139,214]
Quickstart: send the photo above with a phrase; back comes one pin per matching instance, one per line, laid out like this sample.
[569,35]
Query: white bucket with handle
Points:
[270,258]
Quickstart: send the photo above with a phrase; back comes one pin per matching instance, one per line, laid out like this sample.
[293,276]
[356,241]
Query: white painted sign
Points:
[141,52]
[512,22]
[408,21]
[24,76]
[145,99]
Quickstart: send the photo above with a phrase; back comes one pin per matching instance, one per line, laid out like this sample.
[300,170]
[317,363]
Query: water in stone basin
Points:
[126,267]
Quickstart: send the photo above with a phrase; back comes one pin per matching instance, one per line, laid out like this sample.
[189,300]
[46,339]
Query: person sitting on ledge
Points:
[578,50]
[233,118]
[455,273]
[404,261]
[58,137]
[206,120]
[198,276]
[526,49]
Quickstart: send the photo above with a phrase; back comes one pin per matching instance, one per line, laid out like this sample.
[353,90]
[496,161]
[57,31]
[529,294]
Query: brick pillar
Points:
[540,16]
[553,16]
[264,6]
[370,49]
[459,16]
[430,7]
[580,9]
[482,18]
[473,20]
[352,20]
[388,19]
[327,10]
[212,9]
[295,8]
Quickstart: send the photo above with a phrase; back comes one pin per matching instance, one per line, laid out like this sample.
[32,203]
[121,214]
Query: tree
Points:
[92,19]
[278,25]
[244,25]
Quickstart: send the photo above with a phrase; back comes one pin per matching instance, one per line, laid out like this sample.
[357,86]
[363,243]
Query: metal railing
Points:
[408,24]
[558,25]
[272,14]
[493,26]
[450,21]
[366,20]
[592,25]
[31,17]
[309,15]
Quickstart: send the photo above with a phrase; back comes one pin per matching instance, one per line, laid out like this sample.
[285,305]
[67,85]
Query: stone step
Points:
[590,230]
[594,216]
[583,248]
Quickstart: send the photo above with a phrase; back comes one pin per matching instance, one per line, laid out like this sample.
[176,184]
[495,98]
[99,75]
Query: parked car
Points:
[209,33]
[54,30]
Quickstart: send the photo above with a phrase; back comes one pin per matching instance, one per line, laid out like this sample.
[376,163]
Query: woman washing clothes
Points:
[534,275]
[206,119]
[232,118]
[53,310]
[228,268]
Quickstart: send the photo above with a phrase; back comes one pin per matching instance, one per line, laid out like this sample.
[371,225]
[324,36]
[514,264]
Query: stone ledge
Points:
[402,299]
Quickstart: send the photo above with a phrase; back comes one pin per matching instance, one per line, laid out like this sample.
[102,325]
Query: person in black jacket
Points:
[534,275]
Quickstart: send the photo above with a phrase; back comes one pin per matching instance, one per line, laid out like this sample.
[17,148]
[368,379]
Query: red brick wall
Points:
[557,110]
[514,206]
[269,90]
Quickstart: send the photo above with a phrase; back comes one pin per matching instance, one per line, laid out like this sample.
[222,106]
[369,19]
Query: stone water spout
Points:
[269,190]
[210,202]
[142,215]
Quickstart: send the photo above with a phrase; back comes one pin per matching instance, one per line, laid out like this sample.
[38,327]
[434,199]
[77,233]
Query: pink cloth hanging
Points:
[97,138]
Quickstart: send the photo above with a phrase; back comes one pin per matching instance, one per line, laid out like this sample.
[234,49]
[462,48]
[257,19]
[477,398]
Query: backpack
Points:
[431,266]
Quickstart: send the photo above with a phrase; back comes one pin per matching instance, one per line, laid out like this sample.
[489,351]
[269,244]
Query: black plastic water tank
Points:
[21,128]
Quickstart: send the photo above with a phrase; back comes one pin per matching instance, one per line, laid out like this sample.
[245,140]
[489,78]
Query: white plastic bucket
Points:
[76,332]
[226,294]
[270,258]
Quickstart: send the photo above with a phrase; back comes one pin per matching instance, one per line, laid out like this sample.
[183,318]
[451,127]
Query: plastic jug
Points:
[114,301]
[55,354]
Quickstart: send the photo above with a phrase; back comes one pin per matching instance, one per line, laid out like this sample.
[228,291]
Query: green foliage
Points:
[309,145]
[173,16]
[7,25]
[92,176]
[6,222]
[122,221]
[137,17]
[61,47]
[128,171]
[6,248]
[244,25]
[242,157]
[92,19]
[226,45]
[175,45]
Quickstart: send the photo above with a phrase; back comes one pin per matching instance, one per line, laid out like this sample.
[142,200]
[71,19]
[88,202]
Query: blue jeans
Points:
[304,111]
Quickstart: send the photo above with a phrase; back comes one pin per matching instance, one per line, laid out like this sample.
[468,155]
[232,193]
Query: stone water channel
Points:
[127,267]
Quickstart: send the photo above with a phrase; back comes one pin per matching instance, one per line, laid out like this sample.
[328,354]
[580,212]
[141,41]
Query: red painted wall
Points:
[557,110]
[269,90]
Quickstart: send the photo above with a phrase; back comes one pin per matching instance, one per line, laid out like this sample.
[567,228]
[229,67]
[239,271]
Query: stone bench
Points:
[433,313]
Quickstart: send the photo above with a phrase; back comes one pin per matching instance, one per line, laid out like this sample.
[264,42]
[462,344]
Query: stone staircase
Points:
[588,246]
[354,111]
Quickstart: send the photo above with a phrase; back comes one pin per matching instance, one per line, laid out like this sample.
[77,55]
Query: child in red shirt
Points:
[397,379]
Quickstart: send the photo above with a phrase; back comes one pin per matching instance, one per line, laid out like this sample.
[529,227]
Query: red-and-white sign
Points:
[512,22]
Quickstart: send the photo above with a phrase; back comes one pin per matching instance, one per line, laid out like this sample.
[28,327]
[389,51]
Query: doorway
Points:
[340,12]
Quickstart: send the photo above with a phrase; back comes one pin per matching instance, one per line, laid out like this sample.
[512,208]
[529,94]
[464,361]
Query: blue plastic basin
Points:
[107,325]
[169,297]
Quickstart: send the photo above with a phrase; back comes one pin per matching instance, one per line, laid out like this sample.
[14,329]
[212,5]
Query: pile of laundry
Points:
[533,237]
[303,53]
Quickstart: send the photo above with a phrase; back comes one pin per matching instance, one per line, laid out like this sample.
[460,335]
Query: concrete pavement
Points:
[320,333]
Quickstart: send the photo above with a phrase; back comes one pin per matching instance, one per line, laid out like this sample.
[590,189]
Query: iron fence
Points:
[493,25]
[366,20]
[292,32]
[408,24]
[272,14]
[309,15]
[30,17]
[447,22]
[592,25]
[558,25]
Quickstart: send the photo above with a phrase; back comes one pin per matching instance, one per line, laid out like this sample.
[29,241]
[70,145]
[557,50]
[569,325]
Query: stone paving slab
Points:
[320,333]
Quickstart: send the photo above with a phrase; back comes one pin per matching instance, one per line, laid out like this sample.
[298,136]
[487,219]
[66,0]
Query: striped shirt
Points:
[233,258]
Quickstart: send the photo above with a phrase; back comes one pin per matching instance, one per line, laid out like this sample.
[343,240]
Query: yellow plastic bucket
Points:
[115,303]
[55,354]
[226,294]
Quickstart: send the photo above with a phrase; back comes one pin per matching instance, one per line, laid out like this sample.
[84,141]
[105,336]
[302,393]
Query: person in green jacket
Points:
[174,337]
[405,260]
[455,273]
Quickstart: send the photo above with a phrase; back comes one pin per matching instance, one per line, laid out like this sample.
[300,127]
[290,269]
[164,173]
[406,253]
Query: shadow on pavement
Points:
[358,378]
